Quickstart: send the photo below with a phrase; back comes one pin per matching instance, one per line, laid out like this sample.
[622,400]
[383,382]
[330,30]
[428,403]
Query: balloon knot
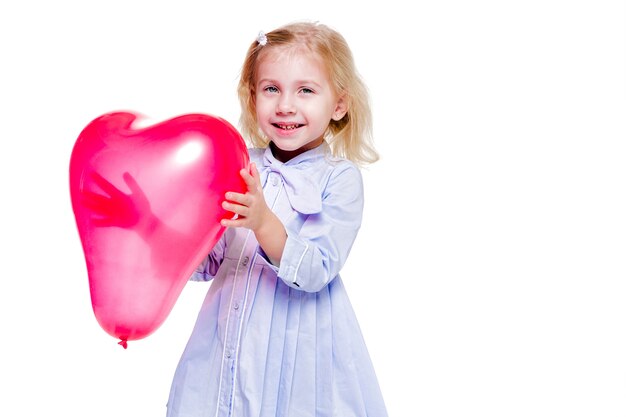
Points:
[123,343]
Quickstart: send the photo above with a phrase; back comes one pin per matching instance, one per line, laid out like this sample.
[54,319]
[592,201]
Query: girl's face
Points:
[295,101]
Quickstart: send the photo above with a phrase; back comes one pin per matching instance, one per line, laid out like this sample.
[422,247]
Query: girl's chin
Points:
[285,147]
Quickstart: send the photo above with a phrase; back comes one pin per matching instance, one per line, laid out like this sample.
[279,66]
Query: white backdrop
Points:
[489,277]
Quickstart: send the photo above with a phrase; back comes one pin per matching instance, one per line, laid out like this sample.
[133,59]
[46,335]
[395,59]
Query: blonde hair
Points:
[350,137]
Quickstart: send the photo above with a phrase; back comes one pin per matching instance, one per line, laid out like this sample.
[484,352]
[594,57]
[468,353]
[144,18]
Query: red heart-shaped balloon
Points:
[147,203]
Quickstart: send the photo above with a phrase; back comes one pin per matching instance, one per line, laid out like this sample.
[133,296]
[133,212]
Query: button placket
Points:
[233,323]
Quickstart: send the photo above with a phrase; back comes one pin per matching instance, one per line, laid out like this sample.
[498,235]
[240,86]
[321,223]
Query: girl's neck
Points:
[284,156]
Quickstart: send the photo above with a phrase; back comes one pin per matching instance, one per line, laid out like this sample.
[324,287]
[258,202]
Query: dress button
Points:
[245,260]
[274,180]
[236,306]
[228,354]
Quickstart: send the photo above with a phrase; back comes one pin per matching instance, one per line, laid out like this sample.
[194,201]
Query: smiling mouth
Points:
[287,126]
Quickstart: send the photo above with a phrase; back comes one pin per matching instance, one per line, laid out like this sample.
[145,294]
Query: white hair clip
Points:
[261,39]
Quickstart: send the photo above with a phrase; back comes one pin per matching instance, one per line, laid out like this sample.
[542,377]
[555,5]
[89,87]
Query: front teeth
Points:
[288,127]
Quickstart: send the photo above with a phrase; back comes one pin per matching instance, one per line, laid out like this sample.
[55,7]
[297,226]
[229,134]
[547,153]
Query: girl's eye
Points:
[306,90]
[271,89]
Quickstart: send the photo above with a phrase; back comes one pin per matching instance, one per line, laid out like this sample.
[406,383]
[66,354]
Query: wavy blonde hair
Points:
[350,137]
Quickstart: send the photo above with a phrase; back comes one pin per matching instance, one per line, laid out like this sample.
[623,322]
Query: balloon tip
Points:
[123,343]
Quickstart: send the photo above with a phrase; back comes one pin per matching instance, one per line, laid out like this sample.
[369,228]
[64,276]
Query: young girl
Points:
[276,335]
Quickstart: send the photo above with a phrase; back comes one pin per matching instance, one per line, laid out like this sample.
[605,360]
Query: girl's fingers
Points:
[233,222]
[237,198]
[252,178]
[255,172]
[105,185]
[235,208]
[132,184]
[248,179]
[95,202]
[228,223]
[241,204]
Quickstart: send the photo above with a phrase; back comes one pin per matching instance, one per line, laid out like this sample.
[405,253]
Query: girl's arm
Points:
[209,266]
[317,248]
[312,254]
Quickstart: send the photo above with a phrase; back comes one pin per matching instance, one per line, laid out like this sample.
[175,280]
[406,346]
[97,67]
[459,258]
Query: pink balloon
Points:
[147,203]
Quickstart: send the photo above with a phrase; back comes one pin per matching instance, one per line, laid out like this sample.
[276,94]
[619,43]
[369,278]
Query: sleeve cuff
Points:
[293,255]
[200,276]
[201,273]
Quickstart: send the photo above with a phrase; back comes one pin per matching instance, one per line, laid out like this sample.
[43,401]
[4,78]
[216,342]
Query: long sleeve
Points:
[315,253]
[207,269]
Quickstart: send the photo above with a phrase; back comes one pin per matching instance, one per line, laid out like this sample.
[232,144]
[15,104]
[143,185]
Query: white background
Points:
[489,277]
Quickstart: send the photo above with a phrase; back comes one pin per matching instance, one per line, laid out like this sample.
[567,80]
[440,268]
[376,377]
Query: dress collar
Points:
[304,194]
[305,157]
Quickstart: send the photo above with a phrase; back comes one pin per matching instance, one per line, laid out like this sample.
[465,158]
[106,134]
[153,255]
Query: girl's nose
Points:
[285,105]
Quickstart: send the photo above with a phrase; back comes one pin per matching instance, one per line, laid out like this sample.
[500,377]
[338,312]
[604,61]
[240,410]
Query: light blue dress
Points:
[283,341]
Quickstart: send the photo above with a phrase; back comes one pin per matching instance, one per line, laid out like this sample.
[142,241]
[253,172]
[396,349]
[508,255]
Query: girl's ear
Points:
[341,108]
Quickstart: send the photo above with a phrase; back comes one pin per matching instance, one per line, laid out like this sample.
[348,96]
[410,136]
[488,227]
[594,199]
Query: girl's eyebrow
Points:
[309,82]
[298,82]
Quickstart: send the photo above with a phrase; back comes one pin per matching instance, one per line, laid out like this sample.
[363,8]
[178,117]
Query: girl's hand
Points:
[253,213]
[114,208]
[251,209]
